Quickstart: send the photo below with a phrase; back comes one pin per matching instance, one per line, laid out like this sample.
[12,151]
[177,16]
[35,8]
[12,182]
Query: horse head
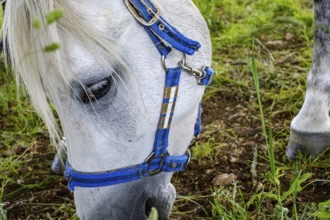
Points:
[106,83]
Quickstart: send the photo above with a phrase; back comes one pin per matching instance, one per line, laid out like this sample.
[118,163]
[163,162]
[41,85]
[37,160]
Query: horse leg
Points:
[58,164]
[310,129]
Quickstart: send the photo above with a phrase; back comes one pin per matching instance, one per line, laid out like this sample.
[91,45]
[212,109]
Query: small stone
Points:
[224,179]
[233,160]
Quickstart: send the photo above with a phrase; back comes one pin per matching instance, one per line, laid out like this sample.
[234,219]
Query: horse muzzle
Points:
[131,201]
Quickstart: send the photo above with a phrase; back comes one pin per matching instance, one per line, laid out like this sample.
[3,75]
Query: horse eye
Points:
[96,91]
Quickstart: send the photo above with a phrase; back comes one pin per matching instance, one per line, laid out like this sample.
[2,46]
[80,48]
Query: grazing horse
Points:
[310,129]
[106,83]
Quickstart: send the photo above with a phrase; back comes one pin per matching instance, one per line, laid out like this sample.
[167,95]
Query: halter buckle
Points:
[150,160]
[139,18]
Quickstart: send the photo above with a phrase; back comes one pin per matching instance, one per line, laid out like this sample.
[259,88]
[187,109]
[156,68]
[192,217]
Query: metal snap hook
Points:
[188,153]
[199,74]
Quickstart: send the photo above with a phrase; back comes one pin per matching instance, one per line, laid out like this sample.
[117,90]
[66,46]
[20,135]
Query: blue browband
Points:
[165,37]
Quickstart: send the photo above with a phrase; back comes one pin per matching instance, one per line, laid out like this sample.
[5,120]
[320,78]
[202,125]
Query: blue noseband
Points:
[165,37]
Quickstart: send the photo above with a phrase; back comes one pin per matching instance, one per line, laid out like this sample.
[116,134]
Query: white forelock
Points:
[25,56]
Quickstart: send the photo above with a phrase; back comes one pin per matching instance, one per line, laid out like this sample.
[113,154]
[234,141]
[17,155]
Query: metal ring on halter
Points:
[188,153]
[164,62]
[138,17]
[151,158]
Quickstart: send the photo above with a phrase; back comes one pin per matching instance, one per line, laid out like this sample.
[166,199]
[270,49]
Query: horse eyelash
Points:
[96,91]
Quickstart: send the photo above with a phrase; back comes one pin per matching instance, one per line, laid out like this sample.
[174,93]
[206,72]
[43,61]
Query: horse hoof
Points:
[308,144]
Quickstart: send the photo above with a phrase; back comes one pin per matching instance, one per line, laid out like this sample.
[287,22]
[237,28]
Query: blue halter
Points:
[165,37]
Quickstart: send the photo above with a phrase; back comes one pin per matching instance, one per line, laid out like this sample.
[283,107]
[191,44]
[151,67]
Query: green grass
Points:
[267,73]
[273,77]
[295,185]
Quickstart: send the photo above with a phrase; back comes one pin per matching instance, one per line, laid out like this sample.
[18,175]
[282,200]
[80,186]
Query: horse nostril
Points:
[148,207]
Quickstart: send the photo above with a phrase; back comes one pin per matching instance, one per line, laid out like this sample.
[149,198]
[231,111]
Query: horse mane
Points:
[24,46]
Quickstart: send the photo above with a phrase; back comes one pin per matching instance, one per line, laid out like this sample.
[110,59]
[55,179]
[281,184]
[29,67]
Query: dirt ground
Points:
[238,137]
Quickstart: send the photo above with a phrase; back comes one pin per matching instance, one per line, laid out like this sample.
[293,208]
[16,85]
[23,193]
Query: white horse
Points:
[310,129]
[106,84]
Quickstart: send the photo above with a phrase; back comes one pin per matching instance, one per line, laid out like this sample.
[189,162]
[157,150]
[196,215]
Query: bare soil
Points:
[231,122]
